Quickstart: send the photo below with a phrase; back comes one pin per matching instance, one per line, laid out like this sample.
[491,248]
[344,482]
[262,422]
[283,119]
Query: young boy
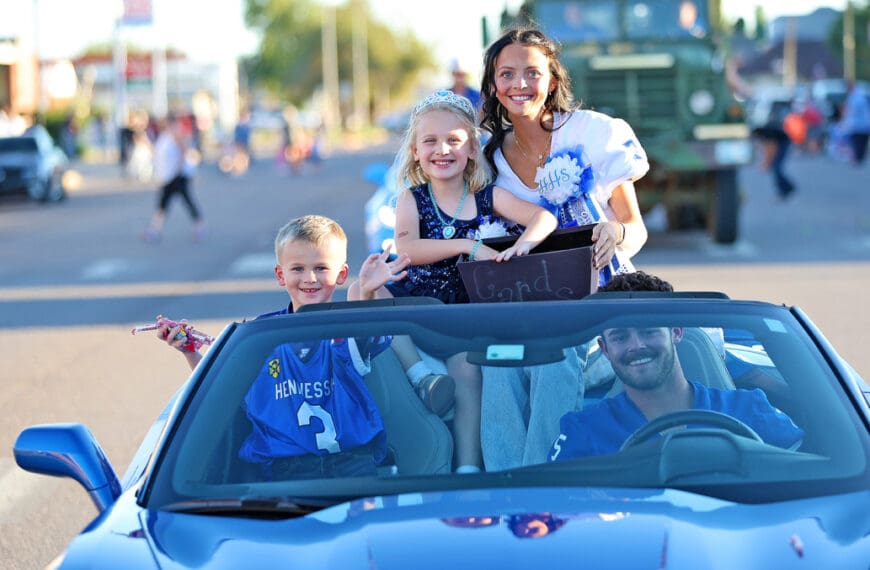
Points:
[311,254]
[311,412]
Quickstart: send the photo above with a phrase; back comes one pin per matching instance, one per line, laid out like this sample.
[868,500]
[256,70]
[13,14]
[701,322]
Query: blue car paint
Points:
[75,453]
[599,527]
[475,529]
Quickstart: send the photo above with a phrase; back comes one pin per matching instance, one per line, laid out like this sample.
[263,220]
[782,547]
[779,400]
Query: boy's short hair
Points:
[311,228]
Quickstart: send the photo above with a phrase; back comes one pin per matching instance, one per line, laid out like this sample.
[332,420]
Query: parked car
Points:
[34,164]
[714,495]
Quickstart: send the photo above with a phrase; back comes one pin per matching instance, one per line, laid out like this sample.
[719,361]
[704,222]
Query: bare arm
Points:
[408,241]
[539,223]
[627,229]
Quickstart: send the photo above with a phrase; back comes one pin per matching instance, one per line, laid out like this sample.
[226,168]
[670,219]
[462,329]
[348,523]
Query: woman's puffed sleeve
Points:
[622,159]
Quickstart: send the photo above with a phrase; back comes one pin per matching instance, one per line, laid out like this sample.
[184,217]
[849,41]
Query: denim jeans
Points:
[783,184]
[522,407]
[355,463]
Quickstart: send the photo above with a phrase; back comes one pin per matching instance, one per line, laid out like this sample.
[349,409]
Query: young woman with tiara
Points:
[448,206]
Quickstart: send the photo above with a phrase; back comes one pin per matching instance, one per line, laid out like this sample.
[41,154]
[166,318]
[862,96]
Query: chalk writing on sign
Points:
[564,274]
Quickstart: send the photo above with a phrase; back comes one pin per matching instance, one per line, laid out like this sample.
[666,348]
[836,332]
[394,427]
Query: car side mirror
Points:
[69,450]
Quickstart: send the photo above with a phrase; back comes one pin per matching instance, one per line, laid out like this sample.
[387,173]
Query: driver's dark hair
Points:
[494,116]
[637,281]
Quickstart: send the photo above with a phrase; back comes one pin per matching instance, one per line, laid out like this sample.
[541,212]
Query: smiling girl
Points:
[446,211]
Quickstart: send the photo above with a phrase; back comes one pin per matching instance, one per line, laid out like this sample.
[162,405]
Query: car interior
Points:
[420,443]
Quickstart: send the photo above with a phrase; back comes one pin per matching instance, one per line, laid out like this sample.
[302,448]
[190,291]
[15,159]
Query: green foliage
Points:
[53,121]
[289,60]
[760,23]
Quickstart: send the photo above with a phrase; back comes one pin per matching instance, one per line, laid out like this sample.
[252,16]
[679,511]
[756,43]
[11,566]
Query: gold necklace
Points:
[542,156]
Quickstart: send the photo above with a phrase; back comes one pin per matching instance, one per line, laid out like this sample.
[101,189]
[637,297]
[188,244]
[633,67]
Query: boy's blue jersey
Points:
[310,398]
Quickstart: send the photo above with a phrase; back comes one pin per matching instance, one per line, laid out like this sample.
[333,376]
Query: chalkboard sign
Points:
[559,268]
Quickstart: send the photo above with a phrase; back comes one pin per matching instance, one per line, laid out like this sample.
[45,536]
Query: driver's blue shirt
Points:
[602,428]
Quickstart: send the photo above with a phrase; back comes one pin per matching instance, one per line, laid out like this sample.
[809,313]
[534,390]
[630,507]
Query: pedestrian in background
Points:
[460,84]
[856,121]
[776,143]
[172,171]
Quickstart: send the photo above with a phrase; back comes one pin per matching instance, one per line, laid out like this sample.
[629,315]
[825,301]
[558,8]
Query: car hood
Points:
[568,527]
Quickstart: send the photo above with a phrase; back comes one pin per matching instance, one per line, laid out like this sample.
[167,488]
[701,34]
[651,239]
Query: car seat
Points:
[418,440]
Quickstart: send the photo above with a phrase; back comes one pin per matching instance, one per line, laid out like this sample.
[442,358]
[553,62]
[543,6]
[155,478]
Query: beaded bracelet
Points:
[474,249]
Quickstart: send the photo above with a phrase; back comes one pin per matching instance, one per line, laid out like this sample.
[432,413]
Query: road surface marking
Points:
[104,269]
[254,264]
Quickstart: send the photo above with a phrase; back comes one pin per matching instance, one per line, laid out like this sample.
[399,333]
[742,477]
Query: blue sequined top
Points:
[441,279]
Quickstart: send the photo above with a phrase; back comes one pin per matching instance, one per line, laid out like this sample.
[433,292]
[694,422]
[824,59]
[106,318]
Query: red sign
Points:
[140,68]
[137,13]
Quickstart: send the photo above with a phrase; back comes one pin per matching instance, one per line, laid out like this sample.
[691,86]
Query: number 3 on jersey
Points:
[326,439]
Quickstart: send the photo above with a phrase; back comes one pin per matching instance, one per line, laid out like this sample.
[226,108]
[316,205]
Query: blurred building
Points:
[795,52]
[18,76]
[157,82]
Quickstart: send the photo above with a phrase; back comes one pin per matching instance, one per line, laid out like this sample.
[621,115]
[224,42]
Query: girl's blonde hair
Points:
[408,171]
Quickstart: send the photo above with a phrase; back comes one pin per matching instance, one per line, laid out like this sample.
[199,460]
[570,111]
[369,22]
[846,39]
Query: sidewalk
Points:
[103,176]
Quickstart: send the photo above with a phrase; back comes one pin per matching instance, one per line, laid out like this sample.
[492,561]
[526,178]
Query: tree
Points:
[288,62]
[760,23]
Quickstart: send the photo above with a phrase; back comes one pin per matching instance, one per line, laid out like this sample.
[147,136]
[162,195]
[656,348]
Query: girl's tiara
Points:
[445,97]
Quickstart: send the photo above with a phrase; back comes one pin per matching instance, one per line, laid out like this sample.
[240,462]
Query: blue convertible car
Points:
[299,442]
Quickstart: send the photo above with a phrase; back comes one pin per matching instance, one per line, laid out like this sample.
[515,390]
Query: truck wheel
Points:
[726,207]
[683,217]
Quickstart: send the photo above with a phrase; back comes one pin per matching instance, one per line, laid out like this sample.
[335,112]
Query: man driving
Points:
[646,361]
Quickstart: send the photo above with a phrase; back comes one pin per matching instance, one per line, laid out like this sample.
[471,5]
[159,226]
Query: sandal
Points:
[437,392]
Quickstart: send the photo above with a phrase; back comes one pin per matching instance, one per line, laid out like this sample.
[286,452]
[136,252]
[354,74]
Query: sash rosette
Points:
[490,227]
[565,183]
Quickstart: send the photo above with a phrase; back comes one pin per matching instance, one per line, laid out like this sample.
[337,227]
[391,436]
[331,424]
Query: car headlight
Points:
[701,102]
[387,216]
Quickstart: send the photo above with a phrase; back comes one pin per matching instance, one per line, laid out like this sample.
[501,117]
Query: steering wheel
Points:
[686,417]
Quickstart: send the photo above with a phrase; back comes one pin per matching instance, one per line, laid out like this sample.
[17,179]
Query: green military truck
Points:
[656,64]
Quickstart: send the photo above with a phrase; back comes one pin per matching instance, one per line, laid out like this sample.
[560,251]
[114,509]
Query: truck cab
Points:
[656,64]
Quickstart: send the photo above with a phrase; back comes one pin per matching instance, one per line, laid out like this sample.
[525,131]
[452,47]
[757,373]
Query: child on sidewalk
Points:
[447,210]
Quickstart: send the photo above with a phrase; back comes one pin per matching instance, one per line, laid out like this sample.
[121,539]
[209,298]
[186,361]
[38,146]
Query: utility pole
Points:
[360,65]
[119,79]
[789,53]
[331,106]
[41,96]
[849,42]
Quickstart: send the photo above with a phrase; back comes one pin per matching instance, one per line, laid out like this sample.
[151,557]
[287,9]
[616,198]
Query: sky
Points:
[212,30]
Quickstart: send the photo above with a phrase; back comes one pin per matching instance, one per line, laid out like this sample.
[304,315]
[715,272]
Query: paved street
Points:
[74,277]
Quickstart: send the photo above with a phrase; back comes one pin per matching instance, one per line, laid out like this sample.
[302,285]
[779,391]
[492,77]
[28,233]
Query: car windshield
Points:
[317,406]
[596,21]
[18,144]
[605,20]
[663,19]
